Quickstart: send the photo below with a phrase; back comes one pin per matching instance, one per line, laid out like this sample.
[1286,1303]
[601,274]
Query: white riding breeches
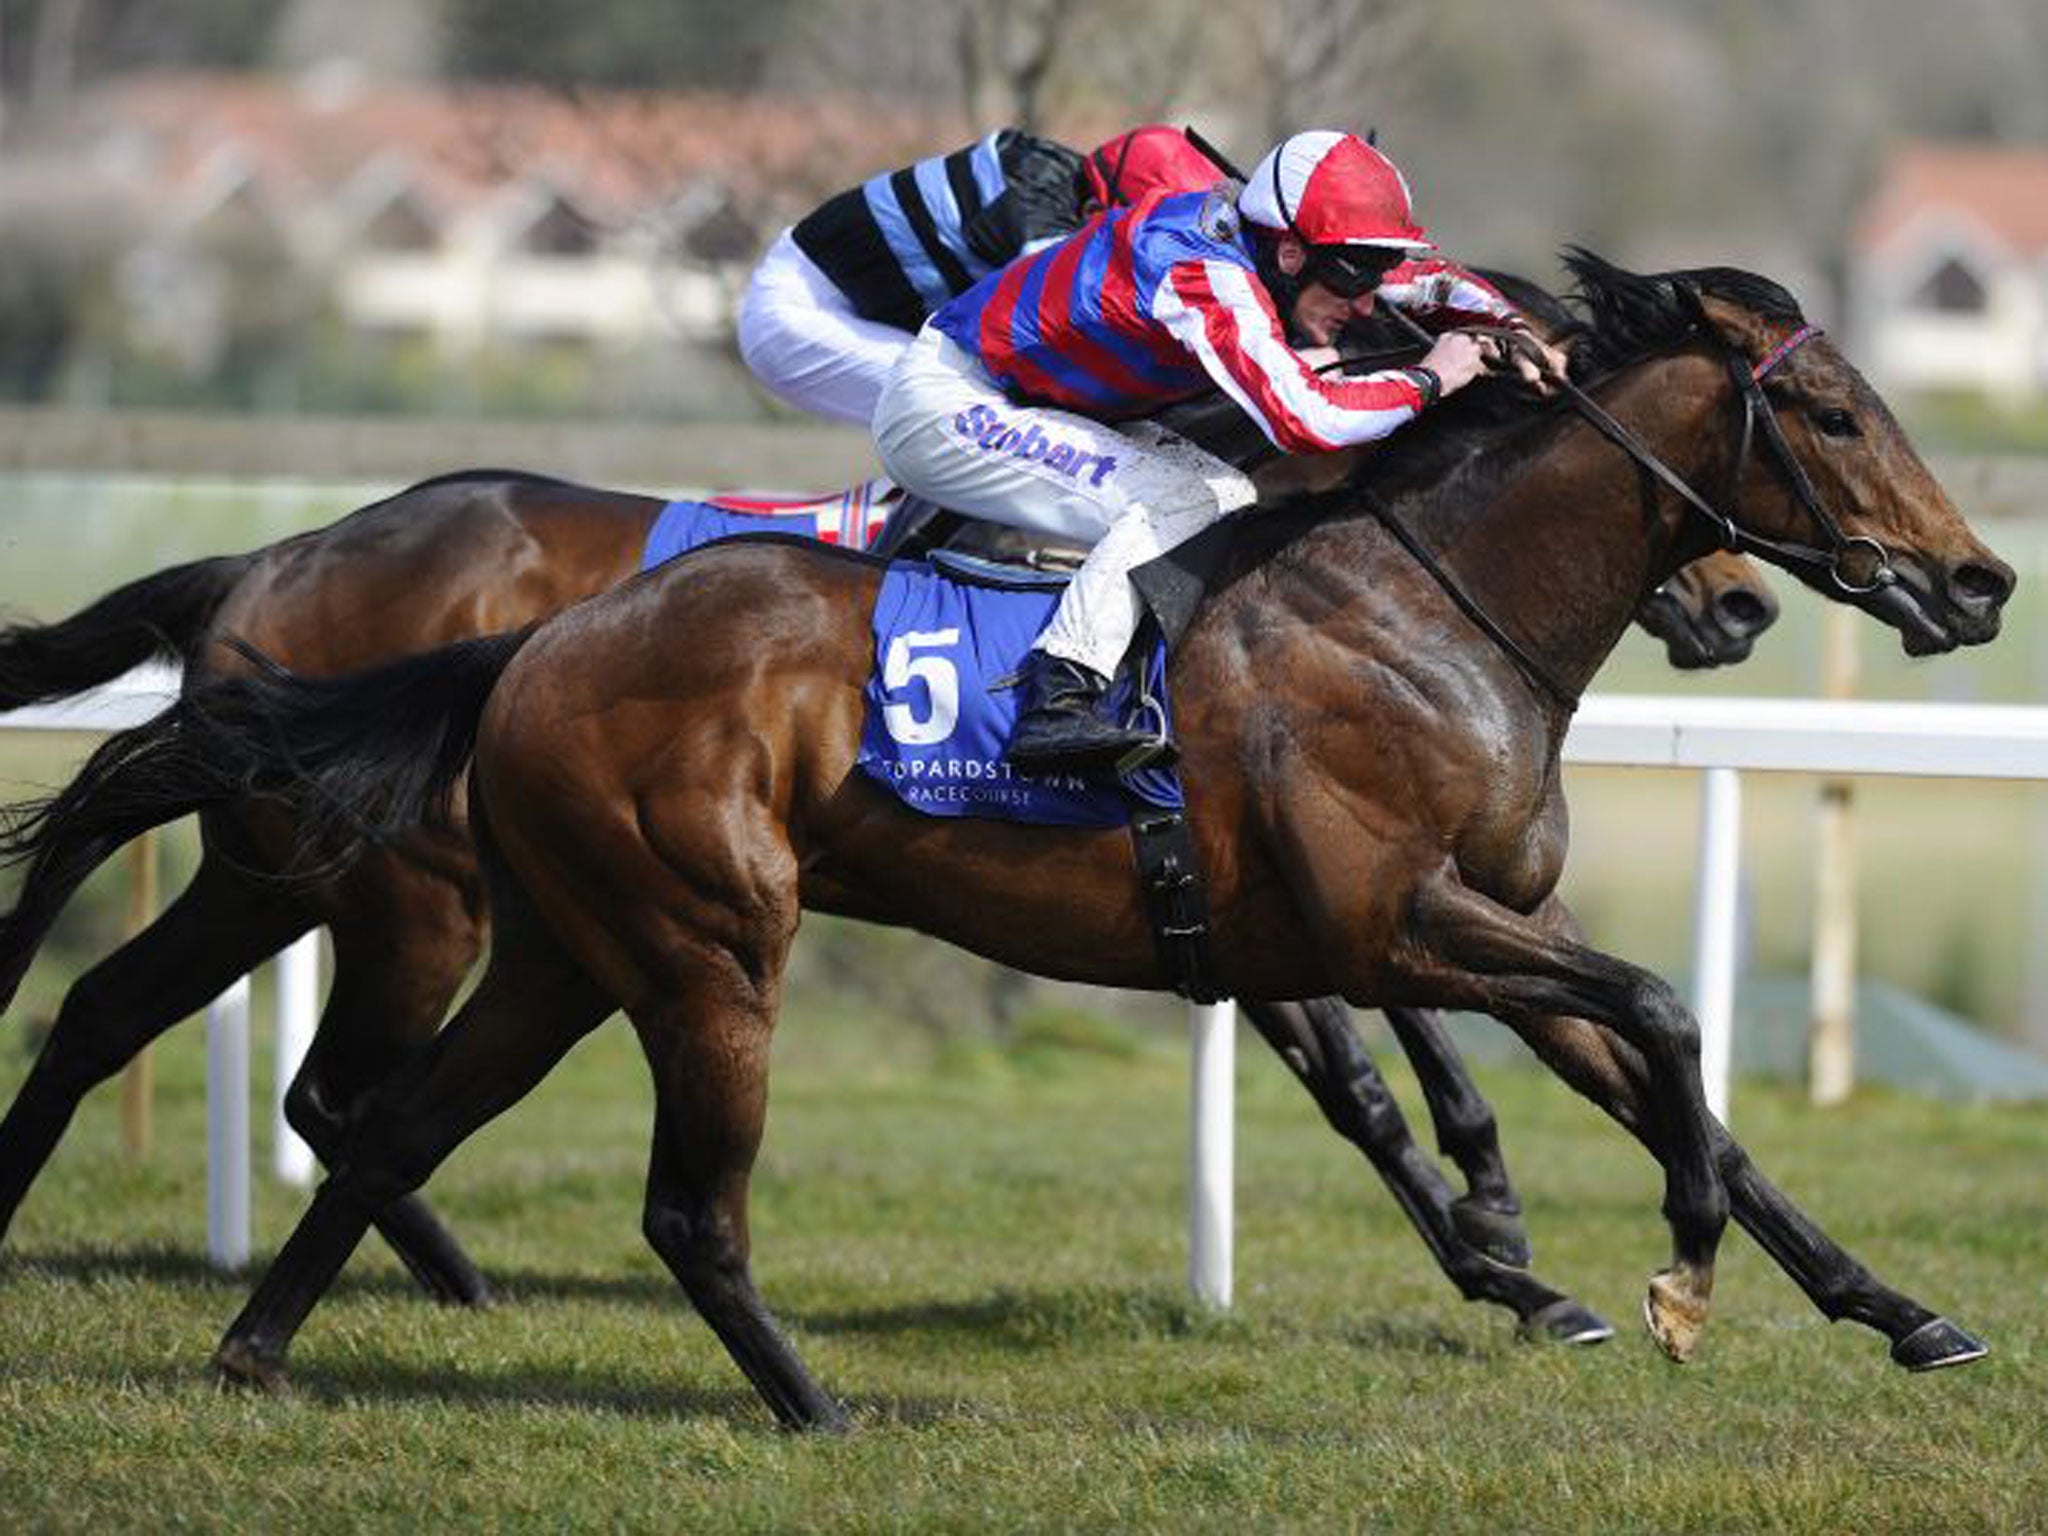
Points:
[802,339]
[946,432]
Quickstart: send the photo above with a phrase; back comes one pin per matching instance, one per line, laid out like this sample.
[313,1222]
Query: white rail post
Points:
[1714,925]
[227,1127]
[1212,1149]
[1831,1022]
[298,1009]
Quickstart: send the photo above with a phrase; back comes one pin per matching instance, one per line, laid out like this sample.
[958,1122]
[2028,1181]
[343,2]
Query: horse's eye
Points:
[1836,422]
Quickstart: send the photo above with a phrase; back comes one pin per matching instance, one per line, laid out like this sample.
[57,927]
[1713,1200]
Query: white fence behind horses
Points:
[130,700]
[1718,737]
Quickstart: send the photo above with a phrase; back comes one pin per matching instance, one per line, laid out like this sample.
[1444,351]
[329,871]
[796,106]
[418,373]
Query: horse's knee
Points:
[699,1249]
[1668,1019]
[1368,1106]
[307,1112]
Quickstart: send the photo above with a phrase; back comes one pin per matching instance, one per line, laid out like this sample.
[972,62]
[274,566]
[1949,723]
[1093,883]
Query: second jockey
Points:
[1003,408]
[838,296]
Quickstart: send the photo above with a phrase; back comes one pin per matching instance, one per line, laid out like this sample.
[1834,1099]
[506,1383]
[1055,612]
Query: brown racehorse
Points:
[484,550]
[1371,750]
[480,551]
[1373,764]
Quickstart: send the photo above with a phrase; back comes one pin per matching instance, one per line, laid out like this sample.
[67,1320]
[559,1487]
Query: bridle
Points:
[1747,378]
[1757,411]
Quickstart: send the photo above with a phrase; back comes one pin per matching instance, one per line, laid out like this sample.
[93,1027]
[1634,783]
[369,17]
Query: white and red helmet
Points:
[1328,188]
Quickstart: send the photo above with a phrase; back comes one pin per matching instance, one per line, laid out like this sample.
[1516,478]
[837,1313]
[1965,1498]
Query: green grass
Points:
[985,1259]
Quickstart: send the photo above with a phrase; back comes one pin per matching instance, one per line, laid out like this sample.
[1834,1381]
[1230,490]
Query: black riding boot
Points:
[1062,728]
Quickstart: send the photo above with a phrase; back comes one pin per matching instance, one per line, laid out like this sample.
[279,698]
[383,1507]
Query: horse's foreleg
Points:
[1835,1282]
[1489,1213]
[1516,967]
[1317,1041]
[395,972]
[532,1005]
[220,927]
[707,1044]
[1613,1075]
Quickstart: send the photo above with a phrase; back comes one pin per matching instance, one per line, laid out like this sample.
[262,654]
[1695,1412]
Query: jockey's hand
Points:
[1536,361]
[1459,357]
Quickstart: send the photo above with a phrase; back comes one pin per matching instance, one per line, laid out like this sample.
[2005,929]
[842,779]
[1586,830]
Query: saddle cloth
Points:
[850,518]
[947,632]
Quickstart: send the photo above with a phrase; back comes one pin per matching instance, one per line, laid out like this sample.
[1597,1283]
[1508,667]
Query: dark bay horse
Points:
[484,550]
[1372,756]
[480,551]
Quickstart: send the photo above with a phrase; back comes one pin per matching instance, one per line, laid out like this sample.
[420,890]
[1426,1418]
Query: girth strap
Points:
[1176,902]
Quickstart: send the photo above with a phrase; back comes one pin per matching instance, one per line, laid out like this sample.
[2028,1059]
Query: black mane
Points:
[1630,315]
[1626,317]
[1455,456]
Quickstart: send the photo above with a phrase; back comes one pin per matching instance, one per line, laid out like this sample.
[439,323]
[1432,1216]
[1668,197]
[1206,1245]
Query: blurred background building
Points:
[264,260]
[536,207]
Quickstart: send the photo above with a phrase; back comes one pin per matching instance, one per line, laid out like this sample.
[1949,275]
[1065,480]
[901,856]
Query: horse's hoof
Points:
[1566,1321]
[1495,1235]
[238,1365]
[1935,1344]
[474,1293]
[1675,1312]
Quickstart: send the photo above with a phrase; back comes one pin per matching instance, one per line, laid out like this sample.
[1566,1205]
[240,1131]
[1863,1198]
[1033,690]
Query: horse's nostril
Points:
[1744,612]
[1978,583]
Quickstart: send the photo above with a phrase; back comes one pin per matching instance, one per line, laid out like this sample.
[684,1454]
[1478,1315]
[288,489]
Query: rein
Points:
[1756,407]
[1527,664]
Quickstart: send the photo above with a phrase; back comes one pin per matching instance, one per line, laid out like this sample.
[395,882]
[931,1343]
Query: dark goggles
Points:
[1349,270]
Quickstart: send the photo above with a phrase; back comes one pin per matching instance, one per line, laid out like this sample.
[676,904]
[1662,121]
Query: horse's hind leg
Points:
[712,918]
[1489,1212]
[1316,1039]
[399,957]
[532,1005]
[218,928]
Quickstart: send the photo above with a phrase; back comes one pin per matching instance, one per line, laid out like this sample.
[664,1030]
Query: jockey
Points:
[998,409]
[838,297]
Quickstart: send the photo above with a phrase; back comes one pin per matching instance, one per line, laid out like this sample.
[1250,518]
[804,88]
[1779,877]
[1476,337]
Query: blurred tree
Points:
[53,46]
[1329,63]
[1005,52]
[60,238]
[651,44]
[1042,64]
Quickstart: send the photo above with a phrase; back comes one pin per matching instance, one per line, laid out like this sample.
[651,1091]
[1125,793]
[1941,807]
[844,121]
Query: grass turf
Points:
[983,1255]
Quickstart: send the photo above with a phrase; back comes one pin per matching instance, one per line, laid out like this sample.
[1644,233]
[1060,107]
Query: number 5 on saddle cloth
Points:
[948,634]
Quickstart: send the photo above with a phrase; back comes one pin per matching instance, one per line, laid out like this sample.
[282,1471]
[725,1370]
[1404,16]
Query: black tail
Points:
[359,760]
[161,615]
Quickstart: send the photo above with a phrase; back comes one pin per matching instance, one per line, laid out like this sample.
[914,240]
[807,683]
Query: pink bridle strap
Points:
[1783,350]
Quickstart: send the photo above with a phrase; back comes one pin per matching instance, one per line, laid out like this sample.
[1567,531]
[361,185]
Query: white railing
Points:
[1719,737]
[126,702]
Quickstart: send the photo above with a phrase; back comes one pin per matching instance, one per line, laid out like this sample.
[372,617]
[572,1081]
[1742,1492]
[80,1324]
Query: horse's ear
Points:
[1689,303]
[1702,317]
